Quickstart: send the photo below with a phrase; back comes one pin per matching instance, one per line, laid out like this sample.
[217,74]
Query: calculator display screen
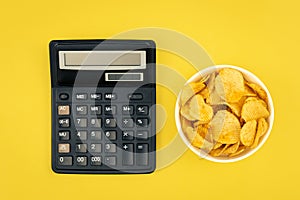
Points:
[102,60]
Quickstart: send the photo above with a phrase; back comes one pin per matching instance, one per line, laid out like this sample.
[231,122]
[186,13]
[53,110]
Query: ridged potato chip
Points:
[262,127]
[190,90]
[195,139]
[240,150]
[219,151]
[229,85]
[225,127]
[248,132]
[232,148]
[260,92]
[199,110]
[253,110]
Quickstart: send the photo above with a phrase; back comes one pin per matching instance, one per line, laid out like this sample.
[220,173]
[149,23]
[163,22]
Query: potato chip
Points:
[249,92]
[199,110]
[229,85]
[190,90]
[195,139]
[205,93]
[237,107]
[248,132]
[219,151]
[225,127]
[217,145]
[262,127]
[185,112]
[232,148]
[240,150]
[256,99]
[253,110]
[260,92]
[211,82]
[185,123]
[214,98]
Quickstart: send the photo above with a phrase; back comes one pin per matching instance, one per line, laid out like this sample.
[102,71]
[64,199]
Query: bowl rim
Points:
[206,156]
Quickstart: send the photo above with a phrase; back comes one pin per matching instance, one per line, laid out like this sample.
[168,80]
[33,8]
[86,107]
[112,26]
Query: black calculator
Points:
[103,106]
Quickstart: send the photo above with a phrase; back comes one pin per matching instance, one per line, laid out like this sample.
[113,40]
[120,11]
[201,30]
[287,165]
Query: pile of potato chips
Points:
[223,114]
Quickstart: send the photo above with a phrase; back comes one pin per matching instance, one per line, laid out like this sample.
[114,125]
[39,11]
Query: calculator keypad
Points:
[103,131]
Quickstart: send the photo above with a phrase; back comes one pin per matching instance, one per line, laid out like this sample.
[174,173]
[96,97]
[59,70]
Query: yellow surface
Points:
[260,35]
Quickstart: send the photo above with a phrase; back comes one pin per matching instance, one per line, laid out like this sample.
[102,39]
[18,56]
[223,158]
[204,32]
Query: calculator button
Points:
[81,160]
[96,160]
[142,135]
[142,154]
[81,135]
[110,110]
[135,96]
[64,135]
[81,110]
[96,122]
[64,148]
[95,110]
[110,123]
[81,148]
[127,123]
[127,154]
[63,96]
[127,135]
[142,110]
[64,123]
[110,96]
[110,160]
[81,96]
[142,122]
[111,135]
[95,96]
[95,148]
[127,110]
[81,122]
[65,160]
[63,110]
[110,148]
[95,135]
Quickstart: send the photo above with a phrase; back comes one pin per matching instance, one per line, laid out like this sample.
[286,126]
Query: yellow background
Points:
[260,35]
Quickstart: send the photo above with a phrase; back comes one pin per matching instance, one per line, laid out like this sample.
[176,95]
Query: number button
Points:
[110,148]
[64,135]
[95,148]
[81,148]
[96,122]
[65,160]
[95,135]
[110,123]
[81,122]
[96,160]
[81,160]
[81,135]
[81,110]
[111,135]
[63,110]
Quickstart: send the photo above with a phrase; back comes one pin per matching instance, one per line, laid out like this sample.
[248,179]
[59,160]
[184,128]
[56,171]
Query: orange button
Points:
[63,148]
[63,110]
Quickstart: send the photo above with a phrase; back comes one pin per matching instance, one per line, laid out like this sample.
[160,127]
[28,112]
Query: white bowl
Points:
[249,77]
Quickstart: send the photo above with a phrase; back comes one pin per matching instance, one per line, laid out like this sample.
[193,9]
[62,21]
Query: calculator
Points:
[103,106]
